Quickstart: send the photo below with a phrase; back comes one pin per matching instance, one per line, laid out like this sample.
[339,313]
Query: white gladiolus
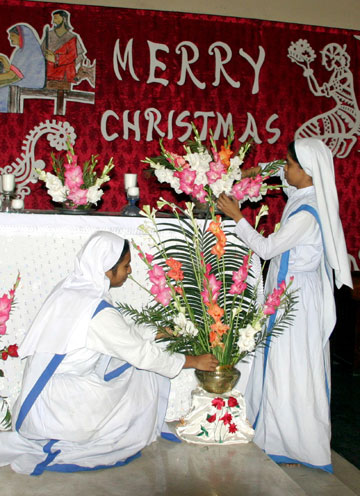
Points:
[94,194]
[246,341]
[55,187]
[184,326]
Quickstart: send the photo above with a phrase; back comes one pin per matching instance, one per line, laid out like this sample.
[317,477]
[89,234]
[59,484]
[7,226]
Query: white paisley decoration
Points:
[339,127]
[23,168]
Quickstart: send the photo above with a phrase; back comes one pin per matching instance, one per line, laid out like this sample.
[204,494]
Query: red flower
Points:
[232,402]
[211,418]
[4,355]
[218,403]
[232,428]
[227,418]
[13,350]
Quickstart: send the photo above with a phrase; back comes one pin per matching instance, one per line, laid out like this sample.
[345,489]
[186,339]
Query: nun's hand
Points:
[230,207]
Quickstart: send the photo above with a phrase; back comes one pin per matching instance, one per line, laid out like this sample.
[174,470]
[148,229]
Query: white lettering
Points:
[154,117]
[251,130]
[179,122]
[255,65]
[154,63]
[103,125]
[128,59]
[205,116]
[275,131]
[185,63]
[219,63]
[135,126]
[222,125]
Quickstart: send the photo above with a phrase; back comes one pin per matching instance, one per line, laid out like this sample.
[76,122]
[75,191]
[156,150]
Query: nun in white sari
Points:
[288,393]
[95,386]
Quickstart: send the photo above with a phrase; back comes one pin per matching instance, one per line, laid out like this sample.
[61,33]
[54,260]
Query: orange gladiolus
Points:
[220,328]
[218,250]
[216,312]
[215,340]
[225,155]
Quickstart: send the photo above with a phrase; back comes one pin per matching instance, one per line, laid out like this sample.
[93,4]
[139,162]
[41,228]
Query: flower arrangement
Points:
[6,304]
[205,173]
[199,280]
[73,185]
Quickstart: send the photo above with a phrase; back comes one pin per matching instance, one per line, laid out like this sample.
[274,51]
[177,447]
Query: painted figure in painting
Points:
[26,65]
[65,54]
[340,126]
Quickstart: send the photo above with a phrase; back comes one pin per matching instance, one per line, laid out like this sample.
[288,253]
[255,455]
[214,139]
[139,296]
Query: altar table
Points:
[42,247]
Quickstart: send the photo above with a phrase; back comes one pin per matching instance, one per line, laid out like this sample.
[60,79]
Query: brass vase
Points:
[221,381]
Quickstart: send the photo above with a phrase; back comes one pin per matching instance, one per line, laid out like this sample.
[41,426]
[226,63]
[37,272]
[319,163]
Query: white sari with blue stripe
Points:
[87,410]
[289,386]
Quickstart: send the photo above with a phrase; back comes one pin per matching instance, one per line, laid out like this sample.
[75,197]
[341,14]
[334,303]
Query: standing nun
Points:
[95,386]
[288,394]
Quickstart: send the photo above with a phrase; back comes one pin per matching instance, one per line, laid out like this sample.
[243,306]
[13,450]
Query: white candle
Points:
[17,204]
[8,182]
[130,180]
[133,191]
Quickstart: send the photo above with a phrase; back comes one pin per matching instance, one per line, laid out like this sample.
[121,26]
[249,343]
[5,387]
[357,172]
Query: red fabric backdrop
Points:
[283,95]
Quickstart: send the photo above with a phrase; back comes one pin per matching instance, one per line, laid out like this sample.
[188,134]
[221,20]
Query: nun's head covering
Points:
[317,161]
[62,323]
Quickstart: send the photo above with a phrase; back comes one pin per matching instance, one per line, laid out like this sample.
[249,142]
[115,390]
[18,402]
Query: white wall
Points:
[333,13]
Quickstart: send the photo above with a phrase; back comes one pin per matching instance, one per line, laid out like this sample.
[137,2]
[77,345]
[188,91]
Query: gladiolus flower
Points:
[216,312]
[74,177]
[78,196]
[199,193]
[218,250]
[218,403]
[175,273]
[239,190]
[220,328]
[225,155]
[187,178]
[216,170]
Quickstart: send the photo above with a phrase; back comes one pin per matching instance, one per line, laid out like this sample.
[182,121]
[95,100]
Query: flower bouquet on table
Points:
[73,186]
[11,350]
[206,172]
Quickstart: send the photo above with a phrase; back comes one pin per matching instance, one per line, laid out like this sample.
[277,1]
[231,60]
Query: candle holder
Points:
[131,210]
[8,191]
[6,201]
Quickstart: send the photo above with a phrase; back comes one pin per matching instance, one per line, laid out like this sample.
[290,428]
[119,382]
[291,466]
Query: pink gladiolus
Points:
[212,286]
[78,196]
[217,169]
[199,193]
[157,275]
[239,190]
[149,257]
[238,288]
[179,161]
[164,296]
[187,178]
[5,306]
[74,177]
[253,189]
[268,309]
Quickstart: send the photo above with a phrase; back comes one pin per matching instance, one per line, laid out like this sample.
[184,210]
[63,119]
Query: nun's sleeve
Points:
[110,334]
